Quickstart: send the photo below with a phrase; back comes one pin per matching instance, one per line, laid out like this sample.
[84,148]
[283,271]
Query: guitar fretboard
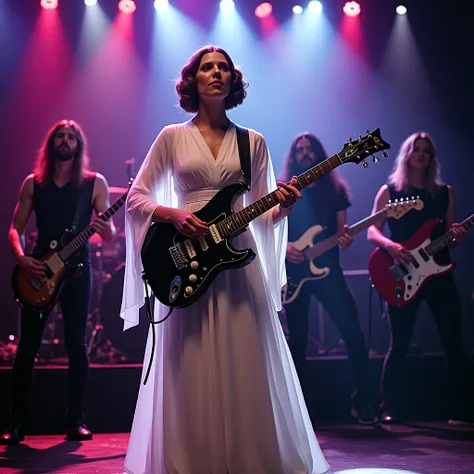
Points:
[331,242]
[72,247]
[241,219]
[445,239]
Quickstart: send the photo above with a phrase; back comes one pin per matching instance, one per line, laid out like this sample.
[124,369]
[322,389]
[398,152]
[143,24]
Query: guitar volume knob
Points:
[194,265]
[188,290]
[192,277]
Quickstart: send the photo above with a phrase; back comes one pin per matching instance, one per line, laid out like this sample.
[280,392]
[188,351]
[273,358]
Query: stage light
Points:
[49,4]
[263,10]
[161,5]
[297,9]
[351,9]
[227,5]
[401,9]
[90,3]
[127,6]
[314,6]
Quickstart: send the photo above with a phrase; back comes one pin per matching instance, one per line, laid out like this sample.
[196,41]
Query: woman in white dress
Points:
[222,396]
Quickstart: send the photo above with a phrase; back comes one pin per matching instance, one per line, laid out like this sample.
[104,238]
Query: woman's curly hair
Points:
[187,89]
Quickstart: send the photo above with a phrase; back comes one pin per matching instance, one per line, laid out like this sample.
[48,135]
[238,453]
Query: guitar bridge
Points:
[179,259]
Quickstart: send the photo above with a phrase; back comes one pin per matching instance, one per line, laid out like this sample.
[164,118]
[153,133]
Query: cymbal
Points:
[117,190]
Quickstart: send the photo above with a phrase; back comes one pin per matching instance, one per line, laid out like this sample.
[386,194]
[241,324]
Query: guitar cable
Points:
[382,311]
[149,316]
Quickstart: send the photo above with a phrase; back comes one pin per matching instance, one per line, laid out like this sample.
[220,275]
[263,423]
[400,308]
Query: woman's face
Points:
[213,78]
[421,155]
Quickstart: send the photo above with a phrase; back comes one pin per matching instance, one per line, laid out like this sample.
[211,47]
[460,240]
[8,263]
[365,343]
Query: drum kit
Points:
[105,338]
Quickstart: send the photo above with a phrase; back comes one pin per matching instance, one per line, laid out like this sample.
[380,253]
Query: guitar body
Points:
[34,294]
[400,284]
[181,285]
[299,274]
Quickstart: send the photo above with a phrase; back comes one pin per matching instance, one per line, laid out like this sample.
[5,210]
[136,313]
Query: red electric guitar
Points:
[398,284]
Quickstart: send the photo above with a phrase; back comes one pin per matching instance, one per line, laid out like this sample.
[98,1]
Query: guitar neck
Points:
[331,242]
[72,247]
[241,219]
[444,240]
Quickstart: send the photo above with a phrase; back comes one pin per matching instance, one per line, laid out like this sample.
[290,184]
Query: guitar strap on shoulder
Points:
[82,203]
[243,142]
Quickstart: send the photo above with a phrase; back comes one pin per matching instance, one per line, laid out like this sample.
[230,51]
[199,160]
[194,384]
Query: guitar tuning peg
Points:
[360,137]
[350,139]
[384,154]
[375,159]
[367,131]
[365,164]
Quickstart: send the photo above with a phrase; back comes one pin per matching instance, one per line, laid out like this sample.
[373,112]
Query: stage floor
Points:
[421,448]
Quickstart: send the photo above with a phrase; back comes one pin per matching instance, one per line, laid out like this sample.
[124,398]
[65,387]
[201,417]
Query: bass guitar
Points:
[299,274]
[398,284]
[179,269]
[40,294]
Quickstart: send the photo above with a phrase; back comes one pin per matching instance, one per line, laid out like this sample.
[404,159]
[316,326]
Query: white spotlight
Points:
[314,6]
[297,10]
[90,3]
[401,10]
[227,5]
[161,5]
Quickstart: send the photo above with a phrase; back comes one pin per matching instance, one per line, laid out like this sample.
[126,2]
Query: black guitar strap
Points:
[243,142]
[82,203]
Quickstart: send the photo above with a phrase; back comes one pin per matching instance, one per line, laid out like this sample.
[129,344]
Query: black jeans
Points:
[74,301]
[442,298]
[338,300]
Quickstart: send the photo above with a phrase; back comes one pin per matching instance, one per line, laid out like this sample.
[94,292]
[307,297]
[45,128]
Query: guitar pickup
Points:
[203,243]
[398,271]
[189,248]
[215,234]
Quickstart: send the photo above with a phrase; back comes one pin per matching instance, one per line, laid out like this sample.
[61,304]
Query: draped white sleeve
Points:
[271,239]
[153,186]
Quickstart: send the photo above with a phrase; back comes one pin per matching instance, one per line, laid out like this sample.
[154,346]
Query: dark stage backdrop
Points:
[117,83]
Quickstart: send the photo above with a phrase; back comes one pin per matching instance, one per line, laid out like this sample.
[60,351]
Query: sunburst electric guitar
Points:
[41,294]
[179,269]
[398,284]
[299,274]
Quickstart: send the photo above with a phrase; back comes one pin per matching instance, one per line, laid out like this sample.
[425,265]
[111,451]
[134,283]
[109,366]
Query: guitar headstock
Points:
[399,207]
[358,150]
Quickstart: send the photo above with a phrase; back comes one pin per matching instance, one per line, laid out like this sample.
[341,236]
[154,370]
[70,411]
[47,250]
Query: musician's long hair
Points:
[44,169]
[400,177]
[329,185]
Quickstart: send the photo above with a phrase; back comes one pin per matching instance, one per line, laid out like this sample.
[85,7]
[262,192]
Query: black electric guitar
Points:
[41,294]
[179,269]
[299,274]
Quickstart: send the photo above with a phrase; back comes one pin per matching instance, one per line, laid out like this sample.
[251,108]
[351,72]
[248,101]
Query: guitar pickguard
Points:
[420,270]
[299,274]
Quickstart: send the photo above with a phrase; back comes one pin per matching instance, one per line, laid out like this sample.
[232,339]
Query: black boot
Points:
[362,410]
[79,433]
[77,430]
[12,435]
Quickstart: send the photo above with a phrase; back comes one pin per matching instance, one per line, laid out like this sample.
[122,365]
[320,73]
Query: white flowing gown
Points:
[223,396]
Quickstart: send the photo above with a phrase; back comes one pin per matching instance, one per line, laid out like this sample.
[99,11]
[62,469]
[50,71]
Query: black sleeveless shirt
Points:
[434,207]
[55,208]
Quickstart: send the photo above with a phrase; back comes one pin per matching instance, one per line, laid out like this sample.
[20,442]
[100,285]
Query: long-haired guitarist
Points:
[222,392]
[324,209]
[52,193]
[417,171]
